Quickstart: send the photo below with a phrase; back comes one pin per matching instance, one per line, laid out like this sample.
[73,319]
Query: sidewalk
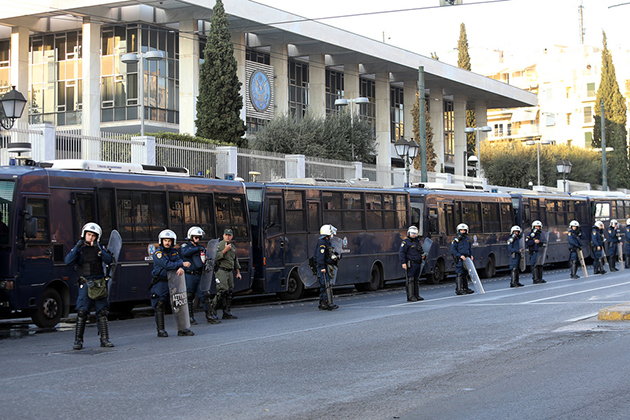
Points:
[619,312]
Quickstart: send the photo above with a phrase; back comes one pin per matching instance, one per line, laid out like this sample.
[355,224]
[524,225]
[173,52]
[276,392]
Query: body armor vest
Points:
[91,263]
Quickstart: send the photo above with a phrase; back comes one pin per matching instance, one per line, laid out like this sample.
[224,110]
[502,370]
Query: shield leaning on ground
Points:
[179,300]
[620,255]
[522,264]
[207,276]
[582,263]
[114,245]
[472,271]
[542,256]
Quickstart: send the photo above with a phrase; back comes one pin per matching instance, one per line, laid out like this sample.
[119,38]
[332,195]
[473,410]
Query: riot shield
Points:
[114,246]
[427,244]
[207,276]
[522,265]
[472,271]
[337,246]
[542,253]
[620,255]
[179,300]
[582,263]
[307,274]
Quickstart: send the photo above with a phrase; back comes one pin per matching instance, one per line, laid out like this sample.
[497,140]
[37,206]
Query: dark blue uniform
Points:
[412,254]
[534,250]
[460,246]
[614,238]
[627,247]
[90,268]
[575,243]
[164,260]
[597,241]
[191,252]
[323,260]
[514,249]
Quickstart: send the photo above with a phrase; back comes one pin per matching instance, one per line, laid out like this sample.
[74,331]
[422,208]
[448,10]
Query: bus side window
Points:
[433,222]
[37,216]
[30,225]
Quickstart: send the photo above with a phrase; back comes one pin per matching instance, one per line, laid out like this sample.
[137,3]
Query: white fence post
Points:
[143,150]
[358,170]
[226,161]
[43,143]
[295,166]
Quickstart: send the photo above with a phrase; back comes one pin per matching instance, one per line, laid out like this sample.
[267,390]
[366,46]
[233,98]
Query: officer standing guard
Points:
[411,255]
[627,247]
[597,242]
[165,259]
[614,238]
[461,249]
[574,237]
[226,262]
[325,259]
[535,243]
[195,253]
[89,256]
[515,250]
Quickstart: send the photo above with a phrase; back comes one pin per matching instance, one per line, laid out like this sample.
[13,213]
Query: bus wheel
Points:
[295,288]
[49,312]
[489,271]
[374,283]
[438,272]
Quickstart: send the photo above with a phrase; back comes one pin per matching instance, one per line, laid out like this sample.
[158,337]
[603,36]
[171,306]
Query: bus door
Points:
[273,244]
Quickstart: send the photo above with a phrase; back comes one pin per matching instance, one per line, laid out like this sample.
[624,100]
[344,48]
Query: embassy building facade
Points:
[69,60]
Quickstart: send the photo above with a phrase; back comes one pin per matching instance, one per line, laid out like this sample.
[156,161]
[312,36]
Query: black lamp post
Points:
[407,150]
[13,104]
[564,167]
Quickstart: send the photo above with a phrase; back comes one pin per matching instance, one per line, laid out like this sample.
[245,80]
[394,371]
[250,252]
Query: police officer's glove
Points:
[80,243]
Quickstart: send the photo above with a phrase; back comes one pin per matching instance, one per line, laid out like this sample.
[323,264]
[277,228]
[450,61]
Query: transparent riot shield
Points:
[472,271]
[337,246]
[620,255]
[582,263]
[114,245]
[522,265]
[207,276]
[307,273]
[179,300]
[427,244]
[542,248]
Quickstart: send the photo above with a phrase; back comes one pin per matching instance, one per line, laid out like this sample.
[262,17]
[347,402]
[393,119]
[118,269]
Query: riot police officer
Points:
[574,236]
[410,256]
[226,262]
[614,238]
[514,249]
[165,259]
[627,247]
[89,256]
[535,244]
[193,252]
[461,249]
[325,260]
[597,242]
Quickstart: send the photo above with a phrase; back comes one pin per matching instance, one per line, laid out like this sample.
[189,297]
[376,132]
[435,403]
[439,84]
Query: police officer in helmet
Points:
[515,251]
[325,260]
[165,259]
[614,238]
[597,243]
[461,249]
[410,256]
[574,236]
[89,256]
[535,245]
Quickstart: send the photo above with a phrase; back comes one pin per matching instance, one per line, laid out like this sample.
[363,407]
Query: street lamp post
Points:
[476,130]
[407,150]
[344,102]
[13,104]
[564,167]
[537,143]
[132,58]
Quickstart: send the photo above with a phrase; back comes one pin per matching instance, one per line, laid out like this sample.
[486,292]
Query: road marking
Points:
[575,293]
[582,318]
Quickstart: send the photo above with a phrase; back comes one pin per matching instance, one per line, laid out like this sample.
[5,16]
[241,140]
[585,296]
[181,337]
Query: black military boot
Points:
[185,333]
[323,305]
[534,275]
[574,270]
[465,285]
[191,309]
[459,285]
[613,262]
[409,289]
[627,261]
[211,311]
[416,290]
[601,266]
[104,327]
[80,329]
[518,278]
[227,305]
[159,319]
[540,274]
[514,280]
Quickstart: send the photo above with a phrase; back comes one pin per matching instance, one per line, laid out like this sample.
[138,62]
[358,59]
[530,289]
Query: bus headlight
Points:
[8,285]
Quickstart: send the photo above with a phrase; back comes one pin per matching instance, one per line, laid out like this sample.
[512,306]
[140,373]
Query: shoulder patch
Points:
[322,251]
[184,245]
[158,254]
[402,244]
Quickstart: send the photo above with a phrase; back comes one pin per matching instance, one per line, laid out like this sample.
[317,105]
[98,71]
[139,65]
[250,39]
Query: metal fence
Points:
[107,147]
[271,166]
[20,133]
[199,158]
[329,169]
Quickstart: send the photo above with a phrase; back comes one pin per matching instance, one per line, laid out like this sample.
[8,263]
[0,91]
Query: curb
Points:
[615,313]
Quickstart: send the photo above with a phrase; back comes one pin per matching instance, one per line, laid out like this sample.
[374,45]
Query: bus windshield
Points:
[6,204]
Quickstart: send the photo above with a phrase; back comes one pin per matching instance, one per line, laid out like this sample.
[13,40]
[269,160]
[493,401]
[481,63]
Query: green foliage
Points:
[463,59]
[333,137]
[219,102]
[513,164]
[415,114]
[471,140]
[186,137]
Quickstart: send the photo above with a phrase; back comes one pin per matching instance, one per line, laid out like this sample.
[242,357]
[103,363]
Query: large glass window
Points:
[231,214]
[334,89]
[298,89]
[296,213]
[367,112]
[396,104]
[449,133]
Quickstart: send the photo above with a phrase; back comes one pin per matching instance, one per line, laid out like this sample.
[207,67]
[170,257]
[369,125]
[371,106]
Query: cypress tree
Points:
[219,102]
[463,62]
[415,114]
[615,123]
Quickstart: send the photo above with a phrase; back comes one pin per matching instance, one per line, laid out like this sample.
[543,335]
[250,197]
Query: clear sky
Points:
[511,25]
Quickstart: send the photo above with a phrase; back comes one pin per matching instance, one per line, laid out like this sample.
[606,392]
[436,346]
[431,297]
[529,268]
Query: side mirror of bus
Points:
[30,222]
[273,216]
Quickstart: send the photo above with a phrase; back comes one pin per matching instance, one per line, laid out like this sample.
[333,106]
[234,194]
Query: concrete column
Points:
[226,161]
[410,89]
[280,64]
[295,166]
[436,115]
[239,41]
[19,64]
[358,170]
[383,141]
[143,150]
[351,81]
[91,107]
[189,75]
[459,116]
[317,84]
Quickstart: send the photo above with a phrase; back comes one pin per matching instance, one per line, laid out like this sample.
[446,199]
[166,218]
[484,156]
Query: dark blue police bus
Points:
[44,207]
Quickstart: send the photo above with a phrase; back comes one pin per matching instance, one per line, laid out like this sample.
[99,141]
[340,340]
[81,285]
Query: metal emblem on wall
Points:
[259,91]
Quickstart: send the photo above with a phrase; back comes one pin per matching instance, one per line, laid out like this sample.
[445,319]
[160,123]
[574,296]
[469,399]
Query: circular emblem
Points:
[259,91]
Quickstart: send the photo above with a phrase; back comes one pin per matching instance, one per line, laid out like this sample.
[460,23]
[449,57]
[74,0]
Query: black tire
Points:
[374,283]
[50,309]
[438,273]
[490,270]
[295,288]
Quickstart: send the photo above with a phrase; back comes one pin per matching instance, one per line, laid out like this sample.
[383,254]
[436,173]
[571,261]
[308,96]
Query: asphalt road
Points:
[535,352]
